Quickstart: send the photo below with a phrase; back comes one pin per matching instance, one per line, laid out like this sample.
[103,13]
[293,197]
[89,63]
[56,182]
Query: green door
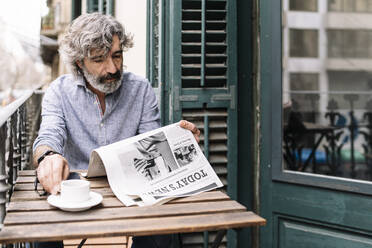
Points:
[315,88]
[193,63]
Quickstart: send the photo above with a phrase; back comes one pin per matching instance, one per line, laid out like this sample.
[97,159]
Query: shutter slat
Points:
[207,65]
[217,159]
[216,44]
[201,113]
[207,55]
[215,137]
[191,44]
[216,21]
[220,170]
[191,22]
[206,77]
[191,32]
[212,124]
[216,148]
[216,55]
[191,10]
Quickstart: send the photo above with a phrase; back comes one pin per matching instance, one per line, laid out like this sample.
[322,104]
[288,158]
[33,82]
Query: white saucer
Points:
[94,199]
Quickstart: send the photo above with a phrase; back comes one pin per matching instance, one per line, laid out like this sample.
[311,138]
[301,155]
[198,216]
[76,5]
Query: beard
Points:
[99,82]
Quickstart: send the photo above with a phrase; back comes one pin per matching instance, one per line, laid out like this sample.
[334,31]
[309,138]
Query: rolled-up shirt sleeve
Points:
[52,130]
[150,118]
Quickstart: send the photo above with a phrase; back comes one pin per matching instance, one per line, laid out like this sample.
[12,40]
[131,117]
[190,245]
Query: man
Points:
[96,105]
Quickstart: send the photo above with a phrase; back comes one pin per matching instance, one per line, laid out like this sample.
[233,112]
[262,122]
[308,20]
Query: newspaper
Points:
[154,167]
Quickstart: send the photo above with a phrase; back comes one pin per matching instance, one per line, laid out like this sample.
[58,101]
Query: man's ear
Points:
[79,67]
[79,64]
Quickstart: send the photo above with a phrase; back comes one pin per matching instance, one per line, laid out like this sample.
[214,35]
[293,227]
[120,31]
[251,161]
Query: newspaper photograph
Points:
[154,167]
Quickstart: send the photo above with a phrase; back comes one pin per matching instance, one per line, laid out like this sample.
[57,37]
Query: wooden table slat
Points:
[33,195]
[30,186]
[132,227]
[29,179]
[38,205]
[99,213]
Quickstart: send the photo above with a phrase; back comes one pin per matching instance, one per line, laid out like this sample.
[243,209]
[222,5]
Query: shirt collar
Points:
[80,81]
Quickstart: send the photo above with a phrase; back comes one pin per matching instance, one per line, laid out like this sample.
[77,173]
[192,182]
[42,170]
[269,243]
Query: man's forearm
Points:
[38,152]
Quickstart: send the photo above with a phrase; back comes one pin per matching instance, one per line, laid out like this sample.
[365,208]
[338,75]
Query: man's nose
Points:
[110,65]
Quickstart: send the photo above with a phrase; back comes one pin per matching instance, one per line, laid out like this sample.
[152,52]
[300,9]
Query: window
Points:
[327,100]
[350,6]
[75,9]
[301,5]
[303,91]
[349,43]
[357,83]
[303,43]
[102,6]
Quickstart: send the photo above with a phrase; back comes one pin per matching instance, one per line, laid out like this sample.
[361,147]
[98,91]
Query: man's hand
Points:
[51,171]
[191,126]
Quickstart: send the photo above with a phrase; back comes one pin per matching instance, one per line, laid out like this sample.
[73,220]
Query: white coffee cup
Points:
[75,190]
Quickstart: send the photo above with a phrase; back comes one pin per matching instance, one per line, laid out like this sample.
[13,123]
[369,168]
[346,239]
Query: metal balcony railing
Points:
[19,124]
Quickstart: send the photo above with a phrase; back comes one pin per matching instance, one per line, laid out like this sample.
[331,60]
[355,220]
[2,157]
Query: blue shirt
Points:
[73,123]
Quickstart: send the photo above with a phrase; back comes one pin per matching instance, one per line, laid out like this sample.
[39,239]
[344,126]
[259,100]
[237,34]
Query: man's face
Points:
[104,72]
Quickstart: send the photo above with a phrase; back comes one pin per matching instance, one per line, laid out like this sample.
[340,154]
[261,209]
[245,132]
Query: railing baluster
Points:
[28,124]
[23,135]
[4,187]
[19,138]
[16,146]
[9,159]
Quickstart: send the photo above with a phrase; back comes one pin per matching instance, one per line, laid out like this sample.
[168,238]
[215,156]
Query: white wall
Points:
[132,14]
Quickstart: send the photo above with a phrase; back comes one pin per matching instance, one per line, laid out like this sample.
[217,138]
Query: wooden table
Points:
[30,218]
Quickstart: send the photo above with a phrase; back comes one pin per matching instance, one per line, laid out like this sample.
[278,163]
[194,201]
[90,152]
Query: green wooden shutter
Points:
[101,6]
[203,82]
[199,81]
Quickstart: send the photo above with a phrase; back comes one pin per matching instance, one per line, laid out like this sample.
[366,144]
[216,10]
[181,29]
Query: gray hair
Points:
[87,32]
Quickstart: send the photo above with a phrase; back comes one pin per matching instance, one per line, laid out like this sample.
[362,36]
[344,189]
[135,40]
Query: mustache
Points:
[109,76]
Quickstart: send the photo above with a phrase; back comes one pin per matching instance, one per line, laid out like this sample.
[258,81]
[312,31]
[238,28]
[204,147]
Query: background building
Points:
[327,51]
[132,14]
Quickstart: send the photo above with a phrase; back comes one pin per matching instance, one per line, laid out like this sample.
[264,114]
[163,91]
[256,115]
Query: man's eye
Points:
[98,61]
